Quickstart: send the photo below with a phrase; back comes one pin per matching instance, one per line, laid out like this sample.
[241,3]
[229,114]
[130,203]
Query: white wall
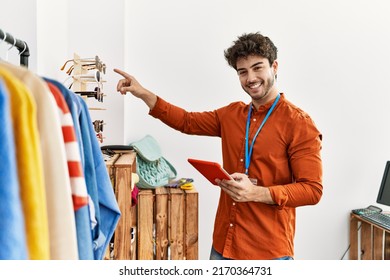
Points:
[96,28]
[333,63]
[19,18]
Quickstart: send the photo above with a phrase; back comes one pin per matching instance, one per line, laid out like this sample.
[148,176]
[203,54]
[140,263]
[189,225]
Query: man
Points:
[270,146]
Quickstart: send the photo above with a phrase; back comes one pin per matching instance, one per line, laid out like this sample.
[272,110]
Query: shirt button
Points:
[231,225]
[254,120]
[234,203]
[241,159]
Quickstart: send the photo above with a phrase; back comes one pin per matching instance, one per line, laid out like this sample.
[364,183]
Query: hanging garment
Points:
[12,232]
[103,206]
[62,227]
[77,180]
[108,212]
[29,166]
[83,216]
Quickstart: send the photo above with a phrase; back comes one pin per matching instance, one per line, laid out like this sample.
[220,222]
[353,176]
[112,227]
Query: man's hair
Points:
[251,44]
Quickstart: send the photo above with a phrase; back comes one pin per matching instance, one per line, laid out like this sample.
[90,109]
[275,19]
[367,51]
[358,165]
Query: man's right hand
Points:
[130,84]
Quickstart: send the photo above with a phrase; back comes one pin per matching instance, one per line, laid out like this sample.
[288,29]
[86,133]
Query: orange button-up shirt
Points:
[286,159]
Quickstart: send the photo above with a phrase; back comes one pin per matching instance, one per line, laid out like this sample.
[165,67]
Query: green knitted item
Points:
[152,168]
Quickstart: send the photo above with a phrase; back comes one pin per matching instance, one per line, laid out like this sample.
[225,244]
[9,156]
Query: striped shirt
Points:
[77,180]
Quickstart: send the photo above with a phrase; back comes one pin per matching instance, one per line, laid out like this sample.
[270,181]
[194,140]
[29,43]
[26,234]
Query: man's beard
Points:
[270,83]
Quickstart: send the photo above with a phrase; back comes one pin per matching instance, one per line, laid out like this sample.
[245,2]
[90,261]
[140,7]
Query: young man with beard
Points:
[270,147]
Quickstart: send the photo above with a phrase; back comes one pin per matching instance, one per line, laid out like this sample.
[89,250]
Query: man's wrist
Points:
[264,195]
[149,98]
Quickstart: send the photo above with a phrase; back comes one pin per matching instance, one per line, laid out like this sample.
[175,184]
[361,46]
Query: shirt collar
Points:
[267,105]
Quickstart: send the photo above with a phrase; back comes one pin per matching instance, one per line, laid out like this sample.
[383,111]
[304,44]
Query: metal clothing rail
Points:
[19,44]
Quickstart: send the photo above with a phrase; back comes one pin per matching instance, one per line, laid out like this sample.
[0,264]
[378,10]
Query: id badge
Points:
[254,181]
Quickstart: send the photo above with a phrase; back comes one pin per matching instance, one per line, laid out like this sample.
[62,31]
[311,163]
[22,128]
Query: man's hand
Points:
[130,84]
[241,189]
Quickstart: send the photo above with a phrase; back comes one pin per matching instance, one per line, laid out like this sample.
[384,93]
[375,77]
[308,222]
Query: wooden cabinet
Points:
[368,241]
[162,225]
[167,224]
[120,168]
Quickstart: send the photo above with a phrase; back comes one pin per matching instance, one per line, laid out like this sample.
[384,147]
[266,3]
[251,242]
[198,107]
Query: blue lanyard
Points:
[248,152]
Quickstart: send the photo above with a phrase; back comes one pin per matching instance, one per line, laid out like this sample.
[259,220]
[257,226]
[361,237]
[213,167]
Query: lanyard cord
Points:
[248,152]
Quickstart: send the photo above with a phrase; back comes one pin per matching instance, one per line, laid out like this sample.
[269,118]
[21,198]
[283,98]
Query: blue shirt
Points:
[13,244]
[107,212]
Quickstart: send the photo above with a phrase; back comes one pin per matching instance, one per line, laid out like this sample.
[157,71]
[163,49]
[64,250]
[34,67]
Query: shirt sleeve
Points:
[195,123]
[306,165]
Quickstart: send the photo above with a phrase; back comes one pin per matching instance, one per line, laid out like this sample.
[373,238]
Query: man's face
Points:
[257,78]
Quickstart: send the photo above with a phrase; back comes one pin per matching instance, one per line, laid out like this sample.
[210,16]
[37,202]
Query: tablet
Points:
[210,170]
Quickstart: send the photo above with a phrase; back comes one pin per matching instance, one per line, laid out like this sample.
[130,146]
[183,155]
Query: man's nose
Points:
[251,76]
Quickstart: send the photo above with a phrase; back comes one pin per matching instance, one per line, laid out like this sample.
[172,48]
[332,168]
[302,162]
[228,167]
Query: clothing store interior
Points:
[71,158]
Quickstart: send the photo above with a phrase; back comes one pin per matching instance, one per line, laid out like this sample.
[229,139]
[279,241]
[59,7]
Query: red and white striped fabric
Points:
[77,180]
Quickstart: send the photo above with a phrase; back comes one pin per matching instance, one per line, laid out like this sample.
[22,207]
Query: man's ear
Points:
[275,67]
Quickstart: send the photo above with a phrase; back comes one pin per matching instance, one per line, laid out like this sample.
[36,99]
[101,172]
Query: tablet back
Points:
[210,170]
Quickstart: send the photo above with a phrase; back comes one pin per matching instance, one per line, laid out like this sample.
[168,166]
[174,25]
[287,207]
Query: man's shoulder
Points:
[294,110]
[236,104]
[232,110]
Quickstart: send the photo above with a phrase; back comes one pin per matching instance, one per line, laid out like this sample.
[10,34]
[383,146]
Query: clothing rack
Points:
[19,44]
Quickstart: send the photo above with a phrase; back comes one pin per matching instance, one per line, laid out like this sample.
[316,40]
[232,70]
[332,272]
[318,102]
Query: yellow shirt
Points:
[29,164]
[61,219]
